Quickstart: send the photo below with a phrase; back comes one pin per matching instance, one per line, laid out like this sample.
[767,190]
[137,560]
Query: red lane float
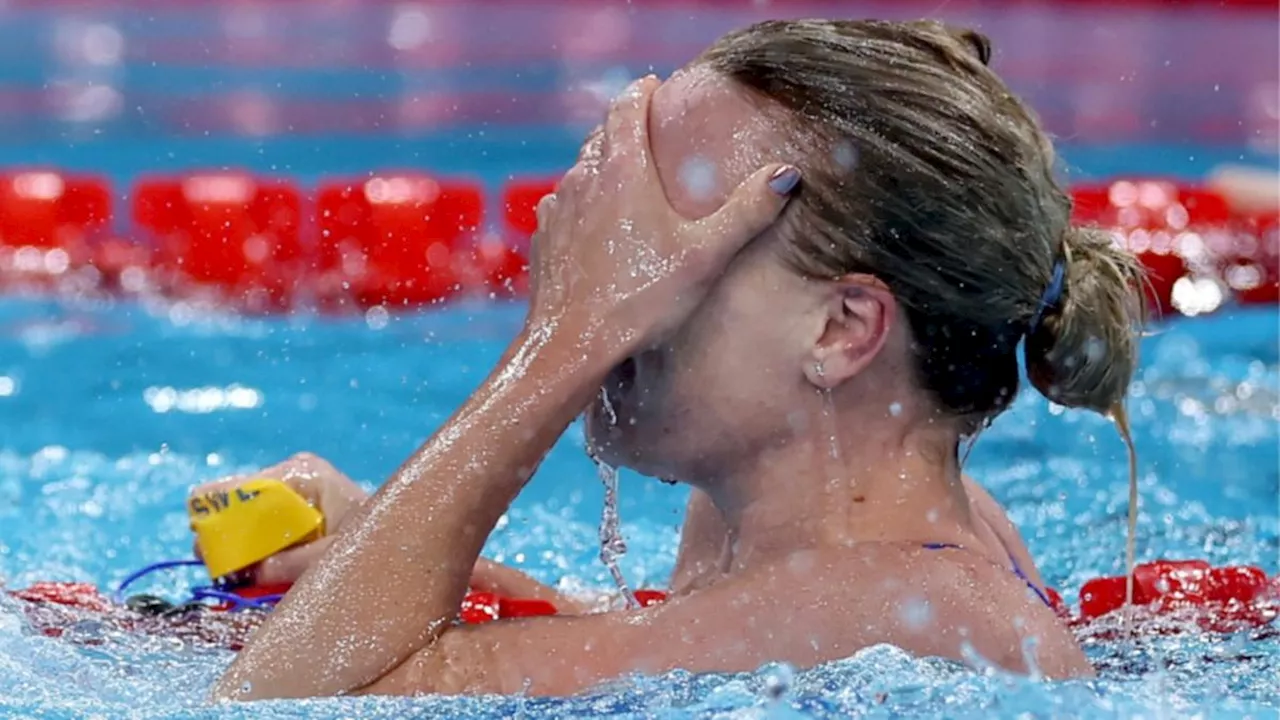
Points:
[411,239]
[57,609]
[520,200]
[393,239]
[228,235]
[1251,266]
[1217,599]
[492,267]
[49,224]
[1175,230]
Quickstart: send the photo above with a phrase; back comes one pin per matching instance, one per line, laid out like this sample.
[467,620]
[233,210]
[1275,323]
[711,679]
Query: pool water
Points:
[109,413]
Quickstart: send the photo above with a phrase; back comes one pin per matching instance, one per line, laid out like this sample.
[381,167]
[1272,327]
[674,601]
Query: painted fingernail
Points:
[785,180]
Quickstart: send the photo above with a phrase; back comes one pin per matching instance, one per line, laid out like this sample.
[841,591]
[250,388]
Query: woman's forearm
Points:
[396,573]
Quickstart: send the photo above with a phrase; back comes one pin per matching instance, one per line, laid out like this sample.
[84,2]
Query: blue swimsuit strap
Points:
[1016,569]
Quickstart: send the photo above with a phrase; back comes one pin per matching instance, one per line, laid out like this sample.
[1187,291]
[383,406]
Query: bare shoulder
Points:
[989,512]
[952,604]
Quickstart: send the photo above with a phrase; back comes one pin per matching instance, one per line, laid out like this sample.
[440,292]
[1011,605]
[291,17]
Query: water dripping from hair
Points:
[834,466]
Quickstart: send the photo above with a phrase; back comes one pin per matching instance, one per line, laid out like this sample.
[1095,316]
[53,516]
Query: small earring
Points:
[817,368]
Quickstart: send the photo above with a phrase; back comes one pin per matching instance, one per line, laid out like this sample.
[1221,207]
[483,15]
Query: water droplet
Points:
[608,407]
[916,614]
[698,177]
[1095,349]
[377,318]
[845,155]
[799,421]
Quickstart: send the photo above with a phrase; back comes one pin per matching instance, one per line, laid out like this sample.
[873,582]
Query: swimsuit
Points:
[1018,570]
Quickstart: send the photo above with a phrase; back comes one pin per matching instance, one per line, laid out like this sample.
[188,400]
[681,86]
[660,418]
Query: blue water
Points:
[102,436]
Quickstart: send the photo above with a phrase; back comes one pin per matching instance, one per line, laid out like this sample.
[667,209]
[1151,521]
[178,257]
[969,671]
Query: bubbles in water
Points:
[778,681]
[698,177]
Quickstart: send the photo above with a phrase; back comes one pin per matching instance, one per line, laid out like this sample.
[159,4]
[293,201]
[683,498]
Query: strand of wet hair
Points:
[1121,417]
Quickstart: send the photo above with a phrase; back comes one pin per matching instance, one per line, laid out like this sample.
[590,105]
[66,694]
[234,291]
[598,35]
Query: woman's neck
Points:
[895,481]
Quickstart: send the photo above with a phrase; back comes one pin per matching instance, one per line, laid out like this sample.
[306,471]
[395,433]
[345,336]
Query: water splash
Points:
[835,466]
[608,408]
[612,545]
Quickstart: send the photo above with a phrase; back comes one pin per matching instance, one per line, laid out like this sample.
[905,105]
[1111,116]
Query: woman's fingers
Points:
[754,206]
[287,566]
[627,127]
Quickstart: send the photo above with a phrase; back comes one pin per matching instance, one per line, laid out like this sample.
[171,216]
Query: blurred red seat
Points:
[231,233]
[49,220]
[520,207]
[392,239]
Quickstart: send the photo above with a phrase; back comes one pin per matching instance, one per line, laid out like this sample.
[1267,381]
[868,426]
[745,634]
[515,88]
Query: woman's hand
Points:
[337,497]
[612,262]
[324,487]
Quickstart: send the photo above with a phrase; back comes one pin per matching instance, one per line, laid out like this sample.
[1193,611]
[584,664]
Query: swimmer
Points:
[806,335]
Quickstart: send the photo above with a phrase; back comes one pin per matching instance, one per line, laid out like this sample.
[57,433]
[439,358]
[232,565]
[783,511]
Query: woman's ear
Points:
[861,311]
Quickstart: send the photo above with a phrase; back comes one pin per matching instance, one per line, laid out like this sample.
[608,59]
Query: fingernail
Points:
[785,180]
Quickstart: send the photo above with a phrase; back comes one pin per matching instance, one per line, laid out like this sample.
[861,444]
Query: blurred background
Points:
[492,87]
[492,98]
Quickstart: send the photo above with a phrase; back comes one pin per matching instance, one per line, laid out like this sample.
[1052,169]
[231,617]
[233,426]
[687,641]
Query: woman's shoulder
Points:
[953,605]
[987,511]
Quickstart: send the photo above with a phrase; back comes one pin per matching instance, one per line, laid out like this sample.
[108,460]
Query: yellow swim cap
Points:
[247,524]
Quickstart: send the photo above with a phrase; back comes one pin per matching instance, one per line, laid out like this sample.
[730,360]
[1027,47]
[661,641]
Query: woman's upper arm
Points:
[715,630]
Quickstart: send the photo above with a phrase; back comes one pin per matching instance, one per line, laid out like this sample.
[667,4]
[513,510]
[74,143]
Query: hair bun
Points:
[1084,351]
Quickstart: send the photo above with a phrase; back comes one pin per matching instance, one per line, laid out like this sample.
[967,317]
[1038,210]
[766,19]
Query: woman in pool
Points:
[805,334]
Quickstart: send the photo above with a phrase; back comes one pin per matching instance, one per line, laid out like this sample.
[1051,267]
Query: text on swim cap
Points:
[214,502]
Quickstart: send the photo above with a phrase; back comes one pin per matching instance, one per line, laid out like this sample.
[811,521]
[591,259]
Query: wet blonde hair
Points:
[927,172]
